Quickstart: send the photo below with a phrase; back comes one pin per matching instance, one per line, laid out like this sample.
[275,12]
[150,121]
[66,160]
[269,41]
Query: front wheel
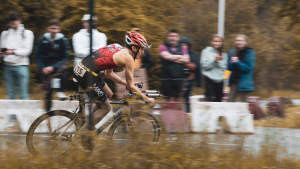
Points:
[141,127]
[52,133]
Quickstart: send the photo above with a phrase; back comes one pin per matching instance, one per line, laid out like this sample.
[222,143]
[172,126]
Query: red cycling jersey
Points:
[103,58]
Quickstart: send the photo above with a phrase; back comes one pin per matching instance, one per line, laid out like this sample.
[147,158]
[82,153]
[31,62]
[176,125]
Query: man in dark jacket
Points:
[194,69]
[173,58]
[52,54]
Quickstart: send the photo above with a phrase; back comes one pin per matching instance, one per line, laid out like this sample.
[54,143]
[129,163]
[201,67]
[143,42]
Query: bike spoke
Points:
[48,139]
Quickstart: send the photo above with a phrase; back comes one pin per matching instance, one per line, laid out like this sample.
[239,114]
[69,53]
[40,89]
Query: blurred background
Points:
[271,25]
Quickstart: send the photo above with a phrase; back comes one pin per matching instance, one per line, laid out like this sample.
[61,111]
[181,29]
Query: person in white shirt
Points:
[16,45]
[81,40]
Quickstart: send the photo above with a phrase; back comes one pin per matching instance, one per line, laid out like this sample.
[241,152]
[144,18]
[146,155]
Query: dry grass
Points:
[180,154]
[291,120]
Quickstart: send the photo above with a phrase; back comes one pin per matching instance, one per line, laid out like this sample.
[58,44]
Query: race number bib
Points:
[79,70]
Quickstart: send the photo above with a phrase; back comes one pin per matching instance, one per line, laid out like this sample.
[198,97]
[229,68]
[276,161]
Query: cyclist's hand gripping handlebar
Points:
[139,85]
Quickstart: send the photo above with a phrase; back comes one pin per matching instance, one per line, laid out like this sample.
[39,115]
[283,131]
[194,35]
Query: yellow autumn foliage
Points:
[195,19]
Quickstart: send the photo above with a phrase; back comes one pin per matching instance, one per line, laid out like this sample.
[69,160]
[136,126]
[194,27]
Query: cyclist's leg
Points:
[99,115]
[109,94]
[102,108]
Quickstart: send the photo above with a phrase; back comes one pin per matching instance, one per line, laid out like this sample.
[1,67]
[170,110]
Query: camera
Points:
[3,49]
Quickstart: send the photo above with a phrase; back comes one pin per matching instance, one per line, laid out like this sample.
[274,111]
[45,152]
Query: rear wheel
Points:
[44,135]
[141,127]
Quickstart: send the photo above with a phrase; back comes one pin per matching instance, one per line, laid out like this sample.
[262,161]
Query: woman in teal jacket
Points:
[241,61]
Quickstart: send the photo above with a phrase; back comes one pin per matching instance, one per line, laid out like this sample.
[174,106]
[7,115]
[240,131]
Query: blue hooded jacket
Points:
[246,68]
[52,52]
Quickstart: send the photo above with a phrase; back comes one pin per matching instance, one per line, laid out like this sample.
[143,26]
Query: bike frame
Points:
[81,111]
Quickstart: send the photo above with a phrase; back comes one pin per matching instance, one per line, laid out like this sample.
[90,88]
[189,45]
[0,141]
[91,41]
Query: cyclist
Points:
[86,73]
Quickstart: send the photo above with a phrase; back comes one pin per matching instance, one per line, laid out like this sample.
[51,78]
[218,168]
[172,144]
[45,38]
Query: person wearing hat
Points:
[147,60]
[81,40]
[194,69]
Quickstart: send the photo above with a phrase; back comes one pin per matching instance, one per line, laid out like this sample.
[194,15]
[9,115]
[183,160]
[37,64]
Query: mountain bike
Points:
[55,129]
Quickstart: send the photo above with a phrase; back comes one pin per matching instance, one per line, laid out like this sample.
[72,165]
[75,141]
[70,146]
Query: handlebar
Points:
[153,95]
[151,91]
[139,85]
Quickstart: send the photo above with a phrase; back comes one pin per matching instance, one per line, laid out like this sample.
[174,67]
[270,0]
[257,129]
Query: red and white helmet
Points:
[136,39]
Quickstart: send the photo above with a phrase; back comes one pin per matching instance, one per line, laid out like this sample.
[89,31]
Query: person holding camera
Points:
[16,46]
[213,64]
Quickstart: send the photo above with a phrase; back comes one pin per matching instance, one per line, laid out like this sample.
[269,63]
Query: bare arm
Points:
[168,56]
[111,74]
[181,59]
[129,78]
[124,59]
[191,66]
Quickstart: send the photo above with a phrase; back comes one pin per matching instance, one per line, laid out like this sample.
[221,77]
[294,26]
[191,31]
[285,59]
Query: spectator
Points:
[213,64]
[81,40]
[17,42]
[147,60]
[195,71]
[173,58]
[241,62]
[52,54]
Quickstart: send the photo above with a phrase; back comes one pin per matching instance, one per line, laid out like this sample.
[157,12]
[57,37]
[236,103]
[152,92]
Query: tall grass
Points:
[181,153]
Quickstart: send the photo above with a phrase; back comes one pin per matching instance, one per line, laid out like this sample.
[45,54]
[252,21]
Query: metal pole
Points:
[221,18]
[221,25]
[91,6]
